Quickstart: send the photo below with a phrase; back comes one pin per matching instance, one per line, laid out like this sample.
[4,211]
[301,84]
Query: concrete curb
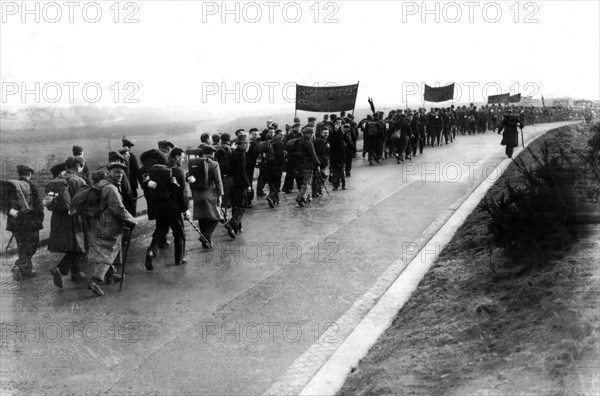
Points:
[332,375]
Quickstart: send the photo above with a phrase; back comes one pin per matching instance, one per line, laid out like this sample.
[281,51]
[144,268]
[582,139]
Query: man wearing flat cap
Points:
[68,230]
[165,147]
[25,215]
[169,209]
[106,230]
[240,188]
[309,162]
[208,195]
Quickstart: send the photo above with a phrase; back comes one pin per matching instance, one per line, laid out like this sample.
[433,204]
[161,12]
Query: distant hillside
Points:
[48,118]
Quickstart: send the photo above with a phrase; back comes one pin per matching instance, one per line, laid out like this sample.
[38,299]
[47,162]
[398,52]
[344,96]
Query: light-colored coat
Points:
[205,201]
[106,230]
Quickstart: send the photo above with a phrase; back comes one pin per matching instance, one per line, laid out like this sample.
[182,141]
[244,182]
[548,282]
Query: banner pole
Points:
[357,84]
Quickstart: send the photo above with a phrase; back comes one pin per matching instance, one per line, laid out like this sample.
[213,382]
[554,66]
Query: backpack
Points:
[222,157]
[372,129]
[152,157]
[57,195]
[87,201]
[198,167]
[161,175]
[294,147]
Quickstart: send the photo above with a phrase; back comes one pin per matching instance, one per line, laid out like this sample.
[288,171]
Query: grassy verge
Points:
[468,330]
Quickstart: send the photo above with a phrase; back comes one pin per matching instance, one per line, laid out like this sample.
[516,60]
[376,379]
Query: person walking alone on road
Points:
[510,136]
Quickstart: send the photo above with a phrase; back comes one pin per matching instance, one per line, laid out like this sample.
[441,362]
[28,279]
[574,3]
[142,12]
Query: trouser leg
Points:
[207,227]
[27,244]
[160,232]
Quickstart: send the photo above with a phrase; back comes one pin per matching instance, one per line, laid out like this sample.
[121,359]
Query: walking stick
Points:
[323,182]
[522,138]
[202,237]
[9,242]
[129,232]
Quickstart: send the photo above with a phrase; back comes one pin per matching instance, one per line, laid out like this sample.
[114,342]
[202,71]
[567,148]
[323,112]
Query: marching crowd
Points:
[93,214]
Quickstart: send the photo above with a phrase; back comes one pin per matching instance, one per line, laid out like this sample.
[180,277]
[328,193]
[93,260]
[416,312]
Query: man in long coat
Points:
[25,215]
[241,187]
[337,155]
[68,230]
[510,136]
[207,202]
[106,230]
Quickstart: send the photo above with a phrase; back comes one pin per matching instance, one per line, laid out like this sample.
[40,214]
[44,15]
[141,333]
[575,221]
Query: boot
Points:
[149,258]
[180,251]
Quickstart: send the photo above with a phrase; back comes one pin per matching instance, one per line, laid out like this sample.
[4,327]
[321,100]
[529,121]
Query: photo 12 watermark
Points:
[450,172]
[55,332]
[53,12]
[469,11]
[68,92]
[273,252]
[253,12]
[268,332]
[252,91]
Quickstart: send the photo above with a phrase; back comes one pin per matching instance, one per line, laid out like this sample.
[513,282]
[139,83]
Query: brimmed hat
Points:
[127,142]
[115,156]
[176,151]
[164,143]
[24,169]
[112,165]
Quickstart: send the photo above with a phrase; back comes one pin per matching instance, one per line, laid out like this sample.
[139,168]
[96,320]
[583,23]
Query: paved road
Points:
[233,321]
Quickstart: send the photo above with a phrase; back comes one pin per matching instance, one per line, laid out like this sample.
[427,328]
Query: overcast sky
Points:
[182,54]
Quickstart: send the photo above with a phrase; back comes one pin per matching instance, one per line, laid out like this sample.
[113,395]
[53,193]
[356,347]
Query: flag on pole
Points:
[326,99]
[503,98]
[514,98]
[439,94]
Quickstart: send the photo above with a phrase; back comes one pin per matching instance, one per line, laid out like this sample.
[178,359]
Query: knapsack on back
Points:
[152,157]
[198,167]
[87,200]
[294,147]
[222,156]
[57,195]
[372,129]
[161,175]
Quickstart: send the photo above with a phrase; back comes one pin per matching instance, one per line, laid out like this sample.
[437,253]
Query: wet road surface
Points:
[233,320]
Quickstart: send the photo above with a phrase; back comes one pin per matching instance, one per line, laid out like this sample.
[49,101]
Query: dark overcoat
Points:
[510,133]
[68,233]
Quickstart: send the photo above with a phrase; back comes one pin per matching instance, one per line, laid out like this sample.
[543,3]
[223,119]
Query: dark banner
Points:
[514,98]
[440,94]
[498,98]
[326,99]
